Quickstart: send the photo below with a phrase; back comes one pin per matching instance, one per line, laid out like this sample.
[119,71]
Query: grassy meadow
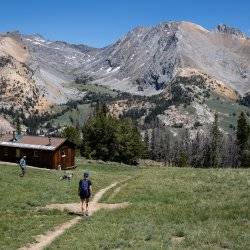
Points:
[171,208]
[228,111]
[78,115]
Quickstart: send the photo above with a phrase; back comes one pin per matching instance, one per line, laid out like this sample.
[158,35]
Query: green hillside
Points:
[74,116]
[228,111]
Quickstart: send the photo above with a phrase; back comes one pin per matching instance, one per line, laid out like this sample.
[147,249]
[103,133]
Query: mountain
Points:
[18,89]
[145,60]
[178,62]
[53,63]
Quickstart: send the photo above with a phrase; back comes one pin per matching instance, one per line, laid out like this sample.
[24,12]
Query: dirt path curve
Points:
[46,239]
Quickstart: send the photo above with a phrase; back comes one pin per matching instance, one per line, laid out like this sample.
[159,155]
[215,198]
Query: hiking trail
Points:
[43,240]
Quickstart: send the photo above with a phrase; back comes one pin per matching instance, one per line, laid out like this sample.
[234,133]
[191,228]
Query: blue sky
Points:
[101,22]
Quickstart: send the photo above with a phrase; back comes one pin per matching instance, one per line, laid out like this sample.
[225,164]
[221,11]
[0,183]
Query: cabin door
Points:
[64,155]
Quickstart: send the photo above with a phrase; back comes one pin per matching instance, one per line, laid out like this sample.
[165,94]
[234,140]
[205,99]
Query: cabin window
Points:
[18,153]
[5,151]
[36,153]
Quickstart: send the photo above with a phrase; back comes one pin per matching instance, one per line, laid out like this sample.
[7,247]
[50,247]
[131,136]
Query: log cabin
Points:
[41,151]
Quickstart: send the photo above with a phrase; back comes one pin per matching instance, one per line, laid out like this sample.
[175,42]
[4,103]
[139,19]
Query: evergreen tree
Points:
[165,142]
[18,126]
[153,146]
[72,134]
[245,159]
[183,152]
[101,108]
[147,142]
[197,152]
[183,160]
[243,134]
[215,143]
[110,139]
[230,156]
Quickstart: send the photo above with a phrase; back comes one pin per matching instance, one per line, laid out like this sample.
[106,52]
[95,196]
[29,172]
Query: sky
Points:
[101,22]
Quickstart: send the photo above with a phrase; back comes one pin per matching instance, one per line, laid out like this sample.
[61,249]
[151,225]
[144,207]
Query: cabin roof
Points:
[32,142]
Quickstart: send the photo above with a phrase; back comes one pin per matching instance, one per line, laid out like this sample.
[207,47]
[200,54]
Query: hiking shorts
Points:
[85,195]
[23,169]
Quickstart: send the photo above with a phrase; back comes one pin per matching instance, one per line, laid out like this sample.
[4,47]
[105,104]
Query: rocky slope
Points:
[145,60]
[28,81]
[18,91]
[52,63]
[5,126]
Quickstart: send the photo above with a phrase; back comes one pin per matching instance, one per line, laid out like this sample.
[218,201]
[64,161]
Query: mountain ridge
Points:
[179,60]
[141,52]
[145,59]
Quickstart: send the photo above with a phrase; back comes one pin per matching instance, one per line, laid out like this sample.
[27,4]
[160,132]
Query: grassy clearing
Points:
[208,208]
[20,219]
[170,208]
[83,111]
[228,111]
[80,115]
[94,88]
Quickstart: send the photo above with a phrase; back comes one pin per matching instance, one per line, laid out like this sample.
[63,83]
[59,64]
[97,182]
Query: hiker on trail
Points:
[84,191]
[23,166]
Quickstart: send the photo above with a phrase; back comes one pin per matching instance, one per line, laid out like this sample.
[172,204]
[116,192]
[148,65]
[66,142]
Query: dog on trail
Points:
[67,176]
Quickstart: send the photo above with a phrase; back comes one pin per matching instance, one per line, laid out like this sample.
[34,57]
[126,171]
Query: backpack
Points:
[84,187]
[22,163]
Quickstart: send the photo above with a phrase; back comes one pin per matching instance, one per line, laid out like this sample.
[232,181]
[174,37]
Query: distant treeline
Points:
[213,149]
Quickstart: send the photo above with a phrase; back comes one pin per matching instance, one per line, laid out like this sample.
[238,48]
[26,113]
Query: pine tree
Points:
[110,139]
[243,134]
[147,142]
[183,154]
[230,156]
[153,147]
[183,160]
[197,152]
[18,126]
[101,109]
[165,142]
[72,134]
[215,143]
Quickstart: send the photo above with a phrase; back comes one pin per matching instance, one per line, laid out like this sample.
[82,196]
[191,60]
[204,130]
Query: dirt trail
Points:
[99,194]
[46,239]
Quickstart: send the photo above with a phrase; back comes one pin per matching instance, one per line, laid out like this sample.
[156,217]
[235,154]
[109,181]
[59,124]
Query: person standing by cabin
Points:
[84,191]
[23,166]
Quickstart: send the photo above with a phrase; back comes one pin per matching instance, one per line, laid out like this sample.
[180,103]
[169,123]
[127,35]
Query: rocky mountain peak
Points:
[146,59]
[223,28]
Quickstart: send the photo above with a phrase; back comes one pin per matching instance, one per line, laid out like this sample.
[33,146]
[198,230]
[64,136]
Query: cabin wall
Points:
[8,154]
[64,156]
[37,158]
